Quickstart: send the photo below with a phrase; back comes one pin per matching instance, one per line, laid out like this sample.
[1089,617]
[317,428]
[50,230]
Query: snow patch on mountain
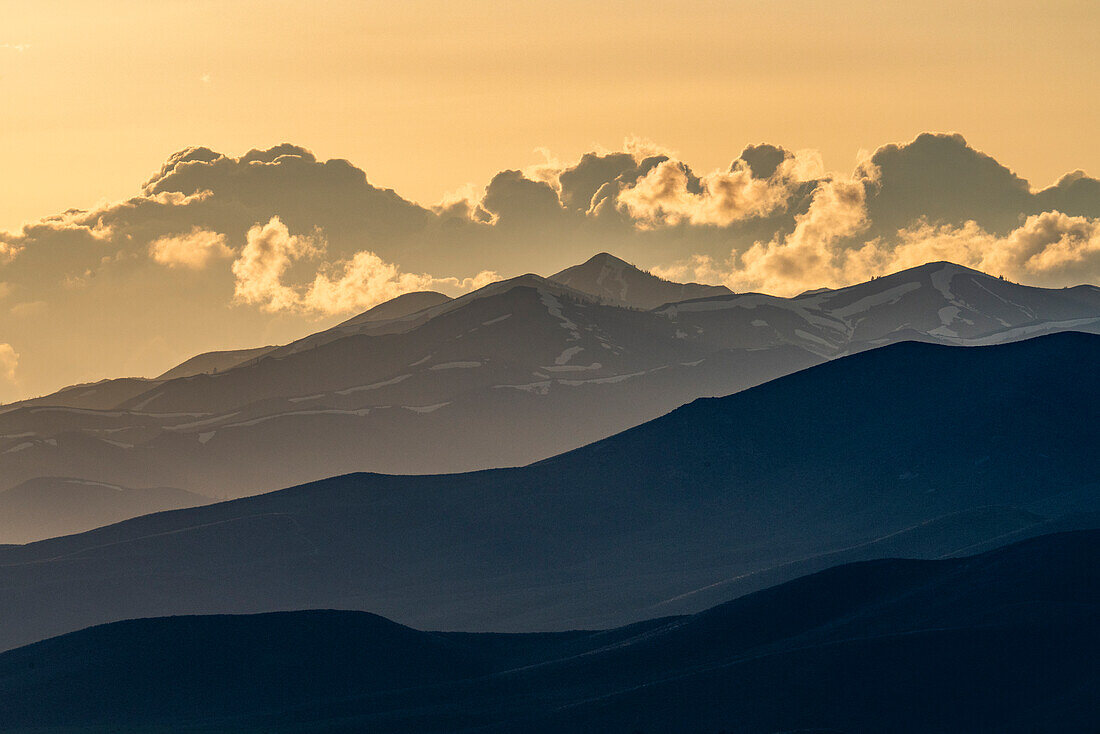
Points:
[374,385]
[198,424]
[891,295]
[554,307]
[454,366]
[425,408]
[541,387]
[941,281]
[567,354]
[305,398]
[574,367]
[297,413]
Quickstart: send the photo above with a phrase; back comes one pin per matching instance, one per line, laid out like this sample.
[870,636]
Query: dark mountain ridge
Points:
[913,449]
[1005,641]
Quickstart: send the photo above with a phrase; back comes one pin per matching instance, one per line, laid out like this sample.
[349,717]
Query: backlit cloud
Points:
[194,250]
[356,284]
[1051,249]
[265,259]
[664,196]
[9,363]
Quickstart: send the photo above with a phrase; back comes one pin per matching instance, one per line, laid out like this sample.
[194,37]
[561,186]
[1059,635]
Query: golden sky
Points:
[255,243]
[428,96]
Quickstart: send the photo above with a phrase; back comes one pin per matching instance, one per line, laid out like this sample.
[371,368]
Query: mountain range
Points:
[515,372]
[912,449]
[1005,641]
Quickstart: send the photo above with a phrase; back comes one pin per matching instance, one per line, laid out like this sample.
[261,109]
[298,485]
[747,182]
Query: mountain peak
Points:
[613,279]
[944,266]
[604,259]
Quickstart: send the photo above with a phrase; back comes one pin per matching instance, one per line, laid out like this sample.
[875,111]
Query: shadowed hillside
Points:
[913,449]
[1001,642]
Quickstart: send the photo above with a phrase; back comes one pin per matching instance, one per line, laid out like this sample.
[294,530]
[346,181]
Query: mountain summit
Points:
[620,283]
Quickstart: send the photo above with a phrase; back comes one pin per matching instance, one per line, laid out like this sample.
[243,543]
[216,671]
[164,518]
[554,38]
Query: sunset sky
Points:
[142,116]
[429,96]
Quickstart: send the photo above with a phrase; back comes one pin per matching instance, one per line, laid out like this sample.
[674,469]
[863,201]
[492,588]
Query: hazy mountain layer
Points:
[55,506]
[912,449]
[510,374]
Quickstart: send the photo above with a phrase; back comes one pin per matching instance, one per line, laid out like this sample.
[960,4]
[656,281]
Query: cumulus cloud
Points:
[1049,249]
[940,178]
[9,363]
[514,200]
[813,252]
[8,251]
[356,284]
[268,254]
[837,212]
[194,250]
[366,280]
[664,197]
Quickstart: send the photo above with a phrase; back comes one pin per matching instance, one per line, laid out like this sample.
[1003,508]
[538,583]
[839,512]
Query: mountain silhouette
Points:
[1005,641]
[913,449]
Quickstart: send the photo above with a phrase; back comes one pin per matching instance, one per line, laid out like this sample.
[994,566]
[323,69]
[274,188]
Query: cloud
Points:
[194,250]
[366,280]
[664,196]
[27,309]
[268,254]
[641,148]
[814,252]
[837,212]
[9,363]
[580,182]
[940,178]
[356,284]
[1051,249]
[514,200]
[8,251]
[17,47]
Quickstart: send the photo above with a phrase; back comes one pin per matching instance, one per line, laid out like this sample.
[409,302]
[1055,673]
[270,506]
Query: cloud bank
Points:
[217,251]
